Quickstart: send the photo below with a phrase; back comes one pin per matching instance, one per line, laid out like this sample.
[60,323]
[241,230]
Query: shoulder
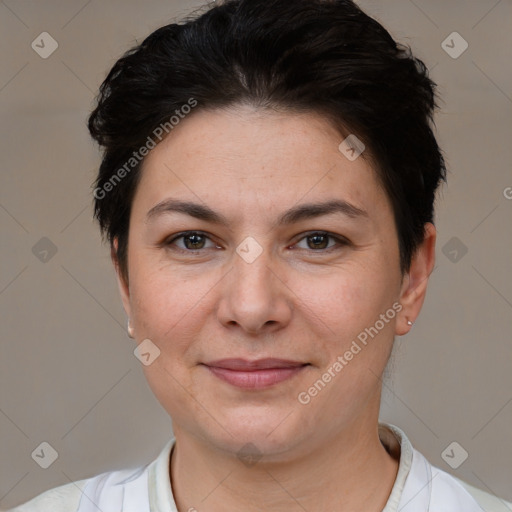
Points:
[420,486]
[110,489]
[449,493]
[444,483]
[129,490]
[65,498]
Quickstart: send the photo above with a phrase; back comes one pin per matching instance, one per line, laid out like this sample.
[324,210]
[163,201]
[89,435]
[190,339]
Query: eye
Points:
[192,241]
[195,241]
[319,241]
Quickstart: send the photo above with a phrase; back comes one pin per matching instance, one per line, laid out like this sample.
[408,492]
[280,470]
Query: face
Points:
[254,239]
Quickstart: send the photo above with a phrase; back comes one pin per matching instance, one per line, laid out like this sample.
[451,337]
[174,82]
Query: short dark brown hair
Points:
[321,56]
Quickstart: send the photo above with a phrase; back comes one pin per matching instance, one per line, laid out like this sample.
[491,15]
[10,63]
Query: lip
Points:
[258,364]
[261,373]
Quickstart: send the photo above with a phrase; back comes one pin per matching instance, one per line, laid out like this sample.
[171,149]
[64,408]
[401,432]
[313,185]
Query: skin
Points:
[302,299]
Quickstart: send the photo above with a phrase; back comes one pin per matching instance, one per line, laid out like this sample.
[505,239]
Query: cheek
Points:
[169,311]
[349,304]
[352,333]
[169,306]
[347,299]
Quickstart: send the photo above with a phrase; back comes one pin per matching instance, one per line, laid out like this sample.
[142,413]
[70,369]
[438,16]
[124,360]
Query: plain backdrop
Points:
[68,374]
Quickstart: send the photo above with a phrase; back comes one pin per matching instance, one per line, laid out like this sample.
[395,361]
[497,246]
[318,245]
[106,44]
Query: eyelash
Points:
[341,242]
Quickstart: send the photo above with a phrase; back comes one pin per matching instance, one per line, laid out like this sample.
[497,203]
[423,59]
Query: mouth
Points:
[258,374]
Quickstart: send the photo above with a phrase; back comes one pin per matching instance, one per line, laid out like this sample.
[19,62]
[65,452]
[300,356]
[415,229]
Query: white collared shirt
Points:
[419,487]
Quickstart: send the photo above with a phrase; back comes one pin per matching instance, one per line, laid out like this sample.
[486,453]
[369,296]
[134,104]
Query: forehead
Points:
[248,159]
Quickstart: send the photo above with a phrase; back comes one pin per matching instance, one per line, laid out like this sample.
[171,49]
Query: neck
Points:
[346,472]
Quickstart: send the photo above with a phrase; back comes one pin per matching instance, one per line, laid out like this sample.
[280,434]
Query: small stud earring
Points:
[130,330]
[409,322]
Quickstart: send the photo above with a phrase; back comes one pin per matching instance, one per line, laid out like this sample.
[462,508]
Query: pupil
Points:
[315,239]
[194,239]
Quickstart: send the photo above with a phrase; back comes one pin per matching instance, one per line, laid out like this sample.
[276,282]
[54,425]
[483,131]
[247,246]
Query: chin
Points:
[269,431]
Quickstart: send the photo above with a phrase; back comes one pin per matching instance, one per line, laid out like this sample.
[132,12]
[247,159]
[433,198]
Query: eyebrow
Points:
[291,216]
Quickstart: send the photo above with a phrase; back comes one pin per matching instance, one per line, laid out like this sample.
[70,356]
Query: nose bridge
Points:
[253,267]
[253,295]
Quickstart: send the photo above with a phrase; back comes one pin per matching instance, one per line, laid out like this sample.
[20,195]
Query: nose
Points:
[255,295]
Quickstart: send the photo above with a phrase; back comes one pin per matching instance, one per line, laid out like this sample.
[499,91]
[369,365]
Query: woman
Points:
[267,188]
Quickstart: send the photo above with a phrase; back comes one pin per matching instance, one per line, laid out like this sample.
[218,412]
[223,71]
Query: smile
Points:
[255,375]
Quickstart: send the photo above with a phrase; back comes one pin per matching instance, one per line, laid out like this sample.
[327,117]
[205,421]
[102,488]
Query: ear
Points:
[124,289]
[414,284]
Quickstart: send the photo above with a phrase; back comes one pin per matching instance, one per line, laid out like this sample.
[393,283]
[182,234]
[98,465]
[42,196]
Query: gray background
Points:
[67,371]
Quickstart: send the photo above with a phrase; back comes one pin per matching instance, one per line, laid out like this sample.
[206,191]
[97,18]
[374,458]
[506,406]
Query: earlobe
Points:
[414,286]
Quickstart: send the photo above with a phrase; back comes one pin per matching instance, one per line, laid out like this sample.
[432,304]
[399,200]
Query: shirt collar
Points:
[397,445]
